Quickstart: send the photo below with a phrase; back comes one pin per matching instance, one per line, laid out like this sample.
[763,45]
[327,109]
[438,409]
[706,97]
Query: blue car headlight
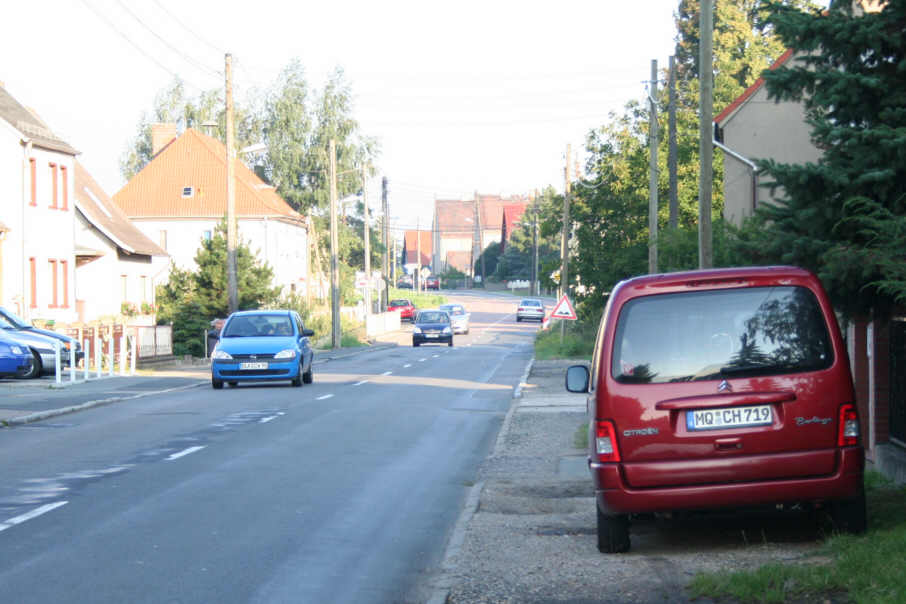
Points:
[221,355]
[16,350]
[289,353]
[446,330]
[416,330]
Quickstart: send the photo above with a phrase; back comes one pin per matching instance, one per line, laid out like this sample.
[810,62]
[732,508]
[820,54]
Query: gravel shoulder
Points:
[531,537]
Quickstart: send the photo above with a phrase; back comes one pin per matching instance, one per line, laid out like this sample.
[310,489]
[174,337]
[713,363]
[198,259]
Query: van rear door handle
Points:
[728,444]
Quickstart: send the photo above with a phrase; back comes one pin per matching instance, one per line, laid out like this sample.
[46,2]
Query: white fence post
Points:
[97,354]
[134,352]
[58,361]
[110,353]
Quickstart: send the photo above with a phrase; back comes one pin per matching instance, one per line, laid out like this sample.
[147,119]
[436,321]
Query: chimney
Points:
[161,136]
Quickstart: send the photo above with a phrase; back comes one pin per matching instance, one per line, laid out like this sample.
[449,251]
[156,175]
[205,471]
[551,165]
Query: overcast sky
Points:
[462,96]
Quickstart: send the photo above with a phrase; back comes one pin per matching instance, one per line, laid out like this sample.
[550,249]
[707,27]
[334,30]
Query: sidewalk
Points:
[26,401]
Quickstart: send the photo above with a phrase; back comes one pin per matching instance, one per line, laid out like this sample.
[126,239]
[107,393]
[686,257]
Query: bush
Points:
[578,343]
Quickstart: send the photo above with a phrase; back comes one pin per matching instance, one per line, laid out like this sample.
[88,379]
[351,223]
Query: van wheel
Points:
[613,532]
[849,515]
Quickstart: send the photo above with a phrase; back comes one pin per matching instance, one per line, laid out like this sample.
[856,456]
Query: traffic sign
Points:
[564,310]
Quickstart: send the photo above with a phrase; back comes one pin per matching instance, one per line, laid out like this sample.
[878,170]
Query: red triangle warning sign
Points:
[564,310]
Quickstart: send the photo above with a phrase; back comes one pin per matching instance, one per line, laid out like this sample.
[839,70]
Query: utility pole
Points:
[564,233]
[705,149]
[652,170]
[385,206]
[671,147]
[309,281]
[476,237]
[334,245]
[535,281]
[232,230]
[367,241]
[418,255]
[480,241]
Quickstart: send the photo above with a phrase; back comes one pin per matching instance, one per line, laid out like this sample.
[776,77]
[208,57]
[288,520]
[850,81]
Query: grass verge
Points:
[863,568]
[578,343]
[423,300]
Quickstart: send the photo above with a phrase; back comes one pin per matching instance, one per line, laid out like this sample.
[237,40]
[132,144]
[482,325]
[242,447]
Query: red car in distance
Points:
[432,283]
[406,308]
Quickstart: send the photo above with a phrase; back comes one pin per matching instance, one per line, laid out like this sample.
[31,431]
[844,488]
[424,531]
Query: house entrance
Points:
[898,380]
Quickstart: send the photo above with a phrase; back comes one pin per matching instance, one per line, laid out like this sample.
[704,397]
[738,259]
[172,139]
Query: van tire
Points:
[613,532]
[849,515]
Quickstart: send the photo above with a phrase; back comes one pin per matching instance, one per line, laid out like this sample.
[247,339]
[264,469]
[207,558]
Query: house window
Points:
[64,269]
[53,185]
[52,266]
[65,187]
[187,191]
[33,269]
[206,235]
[33,168]
[163,240]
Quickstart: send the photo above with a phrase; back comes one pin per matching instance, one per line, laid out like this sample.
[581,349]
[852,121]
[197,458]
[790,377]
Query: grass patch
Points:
[423,300]
[580,438]
[578,343]
[865,568]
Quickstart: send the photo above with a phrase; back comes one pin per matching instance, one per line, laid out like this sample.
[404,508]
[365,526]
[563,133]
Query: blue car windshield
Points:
[433,317]
[258,325]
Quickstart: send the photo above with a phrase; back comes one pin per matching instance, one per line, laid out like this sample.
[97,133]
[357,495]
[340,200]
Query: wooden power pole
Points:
[232,230]
[672,148]
[367,241]
[564,233]
[385,208]
[652,172]
[334,245]
[705,130]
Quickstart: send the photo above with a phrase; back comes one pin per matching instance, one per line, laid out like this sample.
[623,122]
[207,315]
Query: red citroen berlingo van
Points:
[720,389]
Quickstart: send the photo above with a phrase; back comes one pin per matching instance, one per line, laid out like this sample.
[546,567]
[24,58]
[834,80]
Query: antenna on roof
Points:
[208,127]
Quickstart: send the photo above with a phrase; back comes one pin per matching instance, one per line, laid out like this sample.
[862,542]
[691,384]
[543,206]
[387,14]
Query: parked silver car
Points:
[458,316]
[42,348]
[69,344]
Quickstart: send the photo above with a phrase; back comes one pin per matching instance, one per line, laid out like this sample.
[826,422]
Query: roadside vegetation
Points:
[578,342]
[420,300]
[865,568]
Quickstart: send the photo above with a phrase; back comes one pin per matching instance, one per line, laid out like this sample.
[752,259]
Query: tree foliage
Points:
[839,215]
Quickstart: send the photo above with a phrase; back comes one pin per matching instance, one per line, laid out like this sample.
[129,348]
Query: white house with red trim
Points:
[37,216]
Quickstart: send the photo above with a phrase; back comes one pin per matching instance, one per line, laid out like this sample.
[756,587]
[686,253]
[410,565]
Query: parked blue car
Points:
[262,346]
[15,358]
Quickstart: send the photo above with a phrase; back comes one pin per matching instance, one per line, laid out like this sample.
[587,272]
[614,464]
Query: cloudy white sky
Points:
[465,96]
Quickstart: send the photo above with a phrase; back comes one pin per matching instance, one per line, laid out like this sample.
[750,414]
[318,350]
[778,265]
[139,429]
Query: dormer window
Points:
[188,191]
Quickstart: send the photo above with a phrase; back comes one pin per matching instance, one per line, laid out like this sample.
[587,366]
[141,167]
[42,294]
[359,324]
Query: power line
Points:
[188,29]
[141,51]
[166,43]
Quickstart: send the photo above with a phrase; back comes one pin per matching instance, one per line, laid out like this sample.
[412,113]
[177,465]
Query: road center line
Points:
[326,396]
[360,383]
[434,356]
[185,452]
[407,365]
[264,420]
[422,360]
[32,514]
[387,373]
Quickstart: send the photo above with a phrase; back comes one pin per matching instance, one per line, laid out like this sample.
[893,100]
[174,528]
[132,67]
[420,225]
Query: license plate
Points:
[252,365]
[430,335]
[730,417]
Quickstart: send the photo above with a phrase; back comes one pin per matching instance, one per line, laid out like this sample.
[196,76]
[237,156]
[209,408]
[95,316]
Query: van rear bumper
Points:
[615,496]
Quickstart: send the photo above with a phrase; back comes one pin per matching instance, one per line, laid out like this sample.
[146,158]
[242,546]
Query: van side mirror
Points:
[307,333]
[577,378]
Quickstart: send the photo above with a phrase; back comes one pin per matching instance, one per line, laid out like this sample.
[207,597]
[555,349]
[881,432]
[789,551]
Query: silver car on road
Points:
[458,316]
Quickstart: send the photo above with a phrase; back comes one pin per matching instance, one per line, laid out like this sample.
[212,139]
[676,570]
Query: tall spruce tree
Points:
[852,82]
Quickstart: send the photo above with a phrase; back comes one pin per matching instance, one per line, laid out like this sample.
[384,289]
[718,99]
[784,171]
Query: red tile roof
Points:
[738,102]
[460,261]
[198,161]
[410,244]
[512,215]
[454,217]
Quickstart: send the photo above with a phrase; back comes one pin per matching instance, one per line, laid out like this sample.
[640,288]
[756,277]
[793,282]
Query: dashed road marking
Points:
[185,452]
[30,515]
[434,356]
[407,365]
[387,373]
[326,396]
[422,360]
[269,418]
[360,383]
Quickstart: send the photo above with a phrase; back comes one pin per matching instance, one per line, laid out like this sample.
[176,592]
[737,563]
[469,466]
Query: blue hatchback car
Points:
[262,346]
[15,358]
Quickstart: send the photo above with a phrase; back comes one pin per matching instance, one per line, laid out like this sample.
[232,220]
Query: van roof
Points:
[728,277]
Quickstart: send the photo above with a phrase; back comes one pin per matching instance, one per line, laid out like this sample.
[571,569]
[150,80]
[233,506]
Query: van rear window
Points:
[720,334]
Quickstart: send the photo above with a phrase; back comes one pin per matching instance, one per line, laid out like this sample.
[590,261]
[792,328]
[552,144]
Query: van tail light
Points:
[606,447]
[848,435]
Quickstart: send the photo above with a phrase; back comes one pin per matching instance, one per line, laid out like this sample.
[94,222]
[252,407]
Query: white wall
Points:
[283,246]
[43,233]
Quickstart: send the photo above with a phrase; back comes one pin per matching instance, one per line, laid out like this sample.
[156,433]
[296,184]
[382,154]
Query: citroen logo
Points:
[724,386]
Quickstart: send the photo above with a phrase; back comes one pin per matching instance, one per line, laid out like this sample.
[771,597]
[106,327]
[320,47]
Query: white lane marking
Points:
[32,514]
[422,360]
[264,420]
[185,452]
[434,356]
[326,396]
[387,373]
[360,383]
[407,365]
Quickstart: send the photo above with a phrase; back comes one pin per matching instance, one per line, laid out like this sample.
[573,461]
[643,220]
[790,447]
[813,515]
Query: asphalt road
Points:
[345,490]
